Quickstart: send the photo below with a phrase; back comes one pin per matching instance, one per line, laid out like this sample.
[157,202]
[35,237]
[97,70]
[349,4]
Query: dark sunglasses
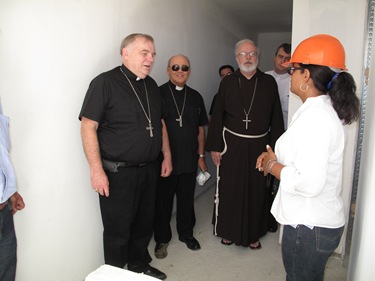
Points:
[183,67]
[292,69]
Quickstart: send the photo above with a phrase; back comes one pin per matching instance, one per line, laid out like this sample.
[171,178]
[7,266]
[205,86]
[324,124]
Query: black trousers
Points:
[183,186]
[128,214]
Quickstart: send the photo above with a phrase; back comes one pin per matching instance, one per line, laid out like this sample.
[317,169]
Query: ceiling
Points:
[261,15]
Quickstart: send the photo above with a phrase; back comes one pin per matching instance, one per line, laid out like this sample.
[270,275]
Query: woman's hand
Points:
[265,160]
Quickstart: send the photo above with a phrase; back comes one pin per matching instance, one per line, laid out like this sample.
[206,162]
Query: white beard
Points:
[247,69]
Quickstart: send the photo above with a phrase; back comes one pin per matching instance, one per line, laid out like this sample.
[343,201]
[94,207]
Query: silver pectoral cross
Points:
[149,128]
[247,120]
[179,120]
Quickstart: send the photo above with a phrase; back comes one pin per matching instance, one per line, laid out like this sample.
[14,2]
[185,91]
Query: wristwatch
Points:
[202,155]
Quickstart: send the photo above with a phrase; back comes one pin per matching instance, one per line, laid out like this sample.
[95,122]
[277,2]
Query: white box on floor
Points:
[111,273]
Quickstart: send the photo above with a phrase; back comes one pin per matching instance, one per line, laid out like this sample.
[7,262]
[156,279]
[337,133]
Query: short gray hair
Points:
[132,37]
[239,43]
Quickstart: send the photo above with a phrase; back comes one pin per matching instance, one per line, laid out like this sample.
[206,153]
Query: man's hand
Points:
[166,167]
[216,158]
[16,202]
[99,181]
[202,164]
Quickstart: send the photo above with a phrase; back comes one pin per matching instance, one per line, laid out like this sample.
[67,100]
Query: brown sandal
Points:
[226,242]
[255,246]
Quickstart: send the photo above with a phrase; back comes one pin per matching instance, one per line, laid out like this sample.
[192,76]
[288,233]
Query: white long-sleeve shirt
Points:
[283,86]
[7,176]
[312,152]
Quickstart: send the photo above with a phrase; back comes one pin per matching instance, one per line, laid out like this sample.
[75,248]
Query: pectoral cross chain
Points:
[179,120]
[247,120]
[148,116]
[149,128]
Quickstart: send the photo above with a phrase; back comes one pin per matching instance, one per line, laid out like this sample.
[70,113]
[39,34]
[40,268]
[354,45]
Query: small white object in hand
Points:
[202,177]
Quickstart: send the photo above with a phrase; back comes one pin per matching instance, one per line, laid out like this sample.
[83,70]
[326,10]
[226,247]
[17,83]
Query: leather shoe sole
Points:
[191,243]
[161,250]
[150,271]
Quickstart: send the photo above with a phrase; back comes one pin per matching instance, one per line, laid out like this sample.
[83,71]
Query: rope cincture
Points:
[216,201]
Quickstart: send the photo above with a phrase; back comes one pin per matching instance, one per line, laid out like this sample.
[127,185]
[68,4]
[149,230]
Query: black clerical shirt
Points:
[183,140]
[122,133]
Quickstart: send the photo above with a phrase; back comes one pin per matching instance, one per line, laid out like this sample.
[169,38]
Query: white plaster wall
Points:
[267,43]
[362,252]
[49,52]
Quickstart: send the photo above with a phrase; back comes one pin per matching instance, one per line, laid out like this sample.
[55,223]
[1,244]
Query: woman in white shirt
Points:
[308,157]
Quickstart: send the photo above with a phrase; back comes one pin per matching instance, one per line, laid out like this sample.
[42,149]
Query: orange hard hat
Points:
[321,49]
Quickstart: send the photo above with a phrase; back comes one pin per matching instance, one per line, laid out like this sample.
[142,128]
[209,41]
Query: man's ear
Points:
[125,53]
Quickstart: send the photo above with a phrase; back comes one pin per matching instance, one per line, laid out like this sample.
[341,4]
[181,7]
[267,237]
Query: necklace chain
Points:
[247,120]
[148,117]
[175,103]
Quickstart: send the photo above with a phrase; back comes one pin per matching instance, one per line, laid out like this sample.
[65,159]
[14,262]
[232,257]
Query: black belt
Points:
[113,166]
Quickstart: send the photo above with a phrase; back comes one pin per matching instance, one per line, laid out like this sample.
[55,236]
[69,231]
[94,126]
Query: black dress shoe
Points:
[191,243]
[161,250]
[152,271]
[149,270]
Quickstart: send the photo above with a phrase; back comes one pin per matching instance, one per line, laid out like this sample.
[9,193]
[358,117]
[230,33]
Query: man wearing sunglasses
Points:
[185,116]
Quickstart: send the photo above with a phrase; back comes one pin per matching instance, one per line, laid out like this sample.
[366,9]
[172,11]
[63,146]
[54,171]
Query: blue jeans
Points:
[306,251]
[8,246]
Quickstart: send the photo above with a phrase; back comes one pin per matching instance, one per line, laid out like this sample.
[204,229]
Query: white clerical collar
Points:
[138,78]
[178,88]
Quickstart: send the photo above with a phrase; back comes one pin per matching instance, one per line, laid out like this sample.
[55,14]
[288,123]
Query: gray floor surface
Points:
[217,262]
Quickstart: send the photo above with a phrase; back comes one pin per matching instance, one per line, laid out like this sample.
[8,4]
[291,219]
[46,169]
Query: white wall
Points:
[267,43]
[362,253]
[50,51]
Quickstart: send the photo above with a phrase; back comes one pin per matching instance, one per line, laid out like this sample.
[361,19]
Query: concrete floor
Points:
[217,262]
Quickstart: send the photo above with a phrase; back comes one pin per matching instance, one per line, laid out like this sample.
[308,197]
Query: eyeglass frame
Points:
[252,54]
[176,67]
[291,69]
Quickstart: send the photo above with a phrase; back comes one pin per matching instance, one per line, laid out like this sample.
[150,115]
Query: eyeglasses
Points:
[245,54]
[291,70]
[183,67]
